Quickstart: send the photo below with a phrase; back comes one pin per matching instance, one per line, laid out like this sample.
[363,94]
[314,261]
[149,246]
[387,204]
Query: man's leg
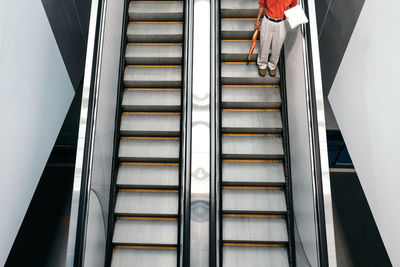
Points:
[276,46]
[265,44]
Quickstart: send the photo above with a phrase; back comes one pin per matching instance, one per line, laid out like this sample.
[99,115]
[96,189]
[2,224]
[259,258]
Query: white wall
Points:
[365,99]
[35,94]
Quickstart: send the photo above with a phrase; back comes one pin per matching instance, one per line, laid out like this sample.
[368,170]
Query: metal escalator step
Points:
[254,228]
[148,202]
[153,53]
[251,121]
[151,99]
[152,76]
[256,146]
[239,8]
[156,10]
[148,175]
[255,256]
[253,172]
[241,73]
[269,200]
[149,149]
[158,32]
[124,256]
[248,96]
[237,50]
[150,124]
[146,231]
[237,28]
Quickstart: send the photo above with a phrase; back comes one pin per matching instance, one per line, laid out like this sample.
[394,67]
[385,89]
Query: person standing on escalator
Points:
[272,33]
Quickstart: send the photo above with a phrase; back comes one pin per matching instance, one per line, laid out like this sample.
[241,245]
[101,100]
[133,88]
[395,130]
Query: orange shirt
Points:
[275,8]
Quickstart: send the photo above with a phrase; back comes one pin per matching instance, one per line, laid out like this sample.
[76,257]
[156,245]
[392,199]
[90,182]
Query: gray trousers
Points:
[272,36]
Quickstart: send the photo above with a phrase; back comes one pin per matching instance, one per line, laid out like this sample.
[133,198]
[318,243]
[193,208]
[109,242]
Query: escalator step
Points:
[156,10]
[255,200]
[134,202]
[252,172]
[155,32]
[256,146]
[150,124]
[152,99]
[153,53]
[251,121]
[237,50]
[149,149]
[253,228]
[124,256]
[148,175]
[146,231]
[247,96]
[241,73]
[239,8]
[255,256]
[241,28]
[152,76]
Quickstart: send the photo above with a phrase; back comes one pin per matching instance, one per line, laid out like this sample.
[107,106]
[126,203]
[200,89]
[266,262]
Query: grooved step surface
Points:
[151,100]
[147,203]
[237,28]
[151,32]
[148,176]
[152,76]
[254,229]
[252,147]
[245,74]
[255,256]
[246,121]
[239,8]
[250,97]
[131,257]
[146,232]
[165,150]
[235,50]
[253,173]
[156,10]
[253,200]
[150,124]
[153,53]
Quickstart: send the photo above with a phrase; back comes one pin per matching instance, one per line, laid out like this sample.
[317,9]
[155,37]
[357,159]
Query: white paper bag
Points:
[296,16]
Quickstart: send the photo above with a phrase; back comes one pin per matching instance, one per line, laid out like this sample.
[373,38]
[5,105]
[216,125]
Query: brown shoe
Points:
[272,73]
[262,72]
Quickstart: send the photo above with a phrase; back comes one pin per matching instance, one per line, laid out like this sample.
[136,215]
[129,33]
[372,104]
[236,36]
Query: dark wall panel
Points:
[69,21]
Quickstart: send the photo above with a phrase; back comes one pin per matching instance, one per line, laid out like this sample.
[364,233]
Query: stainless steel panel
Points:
[241,73]
[154,32]
[156,10]
[251,121]
[152,76]
[153,53]
[239,8]
[150,124]
[143,149]
[237,28]
[146,231]
[256,173]
[253,200]
[235,50]
[148,175]
[254,229]
[251,97]
[151,100]
[139,257]
[237,256]
[154,202]
[252,146]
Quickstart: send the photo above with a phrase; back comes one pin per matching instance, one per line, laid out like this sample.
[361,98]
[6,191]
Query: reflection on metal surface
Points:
[200,155]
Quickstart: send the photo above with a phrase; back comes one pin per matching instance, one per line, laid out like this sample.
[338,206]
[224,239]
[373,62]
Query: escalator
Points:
[255,208]
[147,210]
